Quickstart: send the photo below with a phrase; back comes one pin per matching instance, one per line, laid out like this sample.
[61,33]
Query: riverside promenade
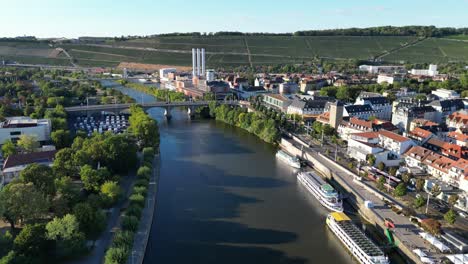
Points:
[405,233]
[141,237]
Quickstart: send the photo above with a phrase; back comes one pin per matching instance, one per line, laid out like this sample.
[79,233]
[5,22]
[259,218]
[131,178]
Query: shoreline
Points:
[141,238]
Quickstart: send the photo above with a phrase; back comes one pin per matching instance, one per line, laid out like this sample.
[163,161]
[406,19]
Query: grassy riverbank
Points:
[160,94]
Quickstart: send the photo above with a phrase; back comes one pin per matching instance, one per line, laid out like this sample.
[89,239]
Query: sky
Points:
[74,18]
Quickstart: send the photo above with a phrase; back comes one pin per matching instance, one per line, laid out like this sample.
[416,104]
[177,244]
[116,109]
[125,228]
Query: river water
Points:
[224,198]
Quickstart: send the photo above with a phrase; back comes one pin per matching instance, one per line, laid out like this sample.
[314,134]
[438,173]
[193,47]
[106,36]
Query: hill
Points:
[233,50]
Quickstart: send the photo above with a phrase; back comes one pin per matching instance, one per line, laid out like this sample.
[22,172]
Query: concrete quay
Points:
[406,234]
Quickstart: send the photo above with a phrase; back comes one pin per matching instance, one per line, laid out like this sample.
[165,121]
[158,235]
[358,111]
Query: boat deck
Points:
[360,239]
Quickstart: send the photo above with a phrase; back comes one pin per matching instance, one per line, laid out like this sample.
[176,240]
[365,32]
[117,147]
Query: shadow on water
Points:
[192,226]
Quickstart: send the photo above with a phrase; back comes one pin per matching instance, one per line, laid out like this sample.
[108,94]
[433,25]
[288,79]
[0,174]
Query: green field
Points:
[432,51]
[458,37]
[246,50]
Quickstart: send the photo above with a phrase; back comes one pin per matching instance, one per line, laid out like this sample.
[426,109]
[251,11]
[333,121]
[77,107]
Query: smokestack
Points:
[194,62]
[198,62]
[203,62]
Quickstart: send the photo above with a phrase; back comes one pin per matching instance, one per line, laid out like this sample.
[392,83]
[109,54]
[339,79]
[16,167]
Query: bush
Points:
[144,172]
[140,190]
[431,225]
[420,201]
[450,217]
[123,239]
[134,210]
[142,182]
[116,255]
[400,190]
[148,164]
[130,223]
[148,152]
[111,192]
[137,199]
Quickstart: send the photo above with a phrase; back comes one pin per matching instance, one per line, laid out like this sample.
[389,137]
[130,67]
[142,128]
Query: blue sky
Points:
[72,18]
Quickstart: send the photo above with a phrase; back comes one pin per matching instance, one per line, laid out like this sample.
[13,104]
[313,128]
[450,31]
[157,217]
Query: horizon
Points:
[57,19]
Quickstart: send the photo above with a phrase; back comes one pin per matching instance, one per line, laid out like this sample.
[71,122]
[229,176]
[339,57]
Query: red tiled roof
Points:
[436,142]
[454,150]
[29,158]
[360,122]
[393,136]
[418,153]
[422,133]
[367,134]
[459,117]
[458,136]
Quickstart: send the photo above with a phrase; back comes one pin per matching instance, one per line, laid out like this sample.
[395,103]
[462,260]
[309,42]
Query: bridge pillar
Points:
[167,112]
[191,111]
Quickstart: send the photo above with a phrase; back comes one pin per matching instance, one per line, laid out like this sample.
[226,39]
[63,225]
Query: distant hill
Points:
[235,49]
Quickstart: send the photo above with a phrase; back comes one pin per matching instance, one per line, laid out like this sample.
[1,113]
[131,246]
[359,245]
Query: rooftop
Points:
[28,158]
[22,121]
[419,132]
[393,136]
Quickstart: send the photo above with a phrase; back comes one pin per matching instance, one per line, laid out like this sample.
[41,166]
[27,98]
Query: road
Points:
[404,229]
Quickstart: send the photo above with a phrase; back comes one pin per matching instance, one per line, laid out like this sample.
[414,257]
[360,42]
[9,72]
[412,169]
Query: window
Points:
[15,133]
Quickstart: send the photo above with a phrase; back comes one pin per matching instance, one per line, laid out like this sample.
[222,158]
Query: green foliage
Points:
[420,201]
[144,172]
[148,152]
[137,199]
[392,171]
[143,127]
[371,160]
[28,143]
[381,166]
[140,190]
[450,217]
[41,176]
[92,221]
[68,238]
[8,148]
[453,199]
[111,191]
[6,243]
[22,202]
[134,210]
[65,164]
[31,242]
[420,184]
[381,183]
[116,255]
[130,223]
[61,138]
[400,190]
[91,178]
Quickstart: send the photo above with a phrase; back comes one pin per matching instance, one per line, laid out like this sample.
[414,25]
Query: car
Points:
[462,214]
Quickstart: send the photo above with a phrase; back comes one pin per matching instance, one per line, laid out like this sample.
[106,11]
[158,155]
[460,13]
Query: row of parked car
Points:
[116,124]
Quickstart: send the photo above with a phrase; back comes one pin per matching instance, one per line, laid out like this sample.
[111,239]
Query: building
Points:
[16,163]
[374,69]
[307,107]
[164,73]
[445,94]
[249,91]
[364,111]
[288,88]
[420,136]
[198,62]
[446,107]
[210,75]
[403,114]
[420,122]
[388,78]
[458,138]
[14,127]
[379,104]
[277,101]
[432,71]
[458,121]
[361,145]
[336,113]
[396,144]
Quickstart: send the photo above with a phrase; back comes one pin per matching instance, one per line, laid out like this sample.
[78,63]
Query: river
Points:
[224,198]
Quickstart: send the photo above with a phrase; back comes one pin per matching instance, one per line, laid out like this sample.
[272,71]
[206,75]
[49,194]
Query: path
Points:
[248,52]
[141,237]
[407,45]
[113,222]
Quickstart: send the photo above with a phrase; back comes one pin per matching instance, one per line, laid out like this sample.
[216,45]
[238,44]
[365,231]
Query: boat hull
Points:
[316,193]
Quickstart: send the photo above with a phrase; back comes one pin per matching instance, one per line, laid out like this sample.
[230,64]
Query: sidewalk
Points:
[113,221]
[141,237]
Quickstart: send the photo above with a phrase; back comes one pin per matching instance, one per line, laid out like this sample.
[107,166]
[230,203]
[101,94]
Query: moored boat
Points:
[322,191]
[289,159]
[362,248]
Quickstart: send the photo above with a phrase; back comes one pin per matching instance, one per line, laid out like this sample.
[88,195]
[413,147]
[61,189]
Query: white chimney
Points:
[198,62]
[203,62]
[194,62]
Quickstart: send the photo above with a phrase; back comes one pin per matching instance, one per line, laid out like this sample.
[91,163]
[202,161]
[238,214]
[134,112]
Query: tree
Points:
[41,176]
[371,160]
[400,190]
[420,201]
[450,217]
[381,183]
[111,191]
[343,93]
[143,127]
[8,148]
[22,202]
[61,138]
[392,171]
[420,184]
[406,177]
[31,242]
[66,234]
[92,221]
[431,225]
[435,190]
[381,166]
[64,163]
[28,143]
[452,200]
[90,178]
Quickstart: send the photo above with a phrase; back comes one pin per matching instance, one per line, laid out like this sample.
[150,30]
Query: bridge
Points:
[118,108]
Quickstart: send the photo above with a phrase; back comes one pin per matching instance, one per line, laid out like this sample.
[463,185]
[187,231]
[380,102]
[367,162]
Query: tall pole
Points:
[427,204]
